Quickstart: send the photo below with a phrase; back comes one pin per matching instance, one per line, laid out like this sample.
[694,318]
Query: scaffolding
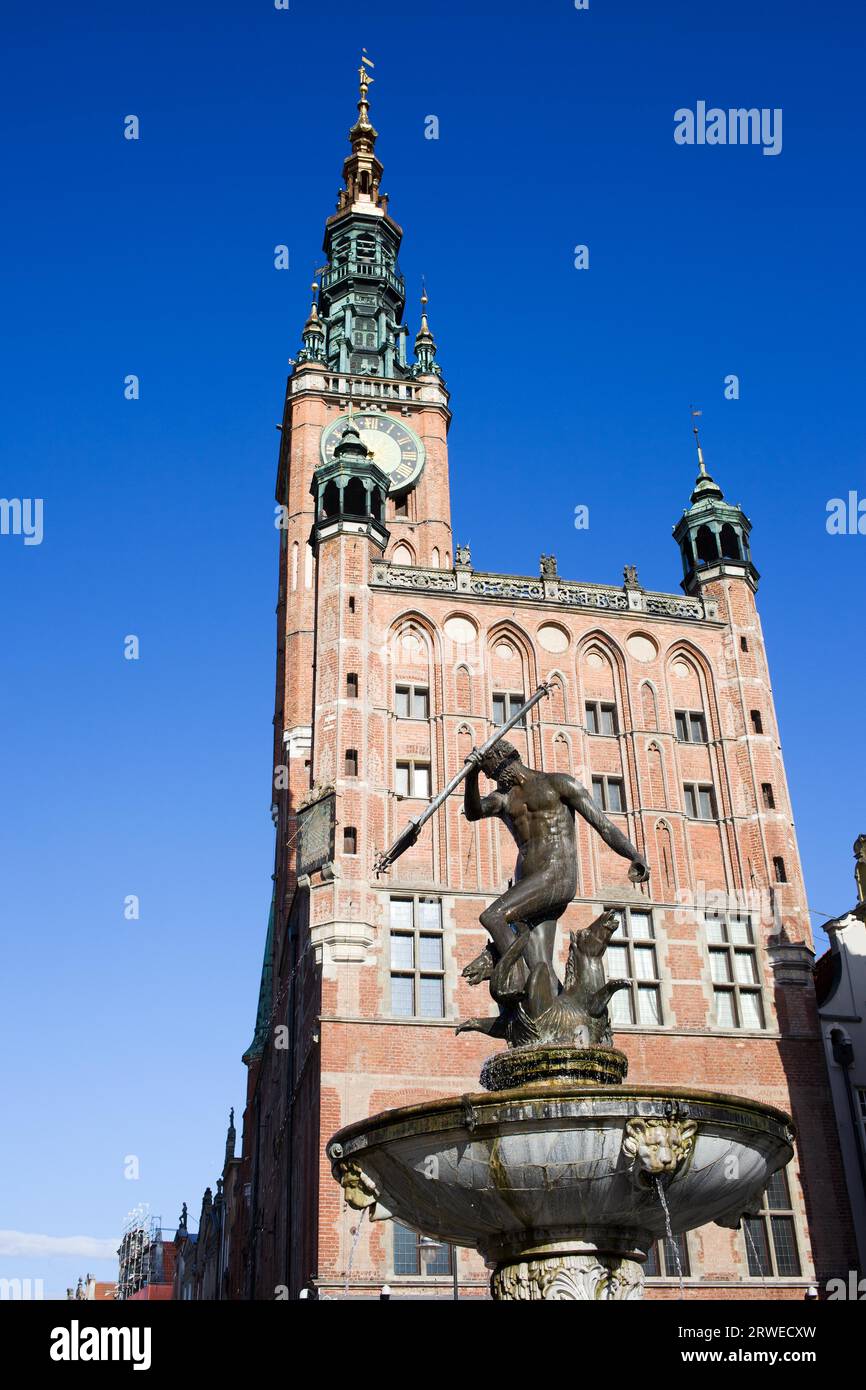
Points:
[140,1231]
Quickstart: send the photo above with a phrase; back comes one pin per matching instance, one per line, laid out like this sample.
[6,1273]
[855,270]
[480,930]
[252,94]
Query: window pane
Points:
[755,1236]
[617,962]
[725,1008]
[499,709]
[746,967]
[691,803]
[785,1245]
[720,966]
[402,1003]
[430,953]
[422,780]
[707,809]
[591,719]
[420,704]
[402,782]
[437,1259]
[431,998]
[651,1263]
[620,918]
[648,1005]
[642,926]
[430,914]
[405,1250]
[715,930]
[608,725]
[402,952]
[698,730]
[401,913]
[740,931]
[598,792]
[778,1193]
[614,795]
[751,1010]
[402,701]
[682,726]
[682,1246]
[514,704]
[645,963]
[620,1007]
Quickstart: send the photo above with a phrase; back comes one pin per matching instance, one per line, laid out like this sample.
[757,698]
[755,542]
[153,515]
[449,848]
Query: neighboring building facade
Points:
[840,983]
[395,657]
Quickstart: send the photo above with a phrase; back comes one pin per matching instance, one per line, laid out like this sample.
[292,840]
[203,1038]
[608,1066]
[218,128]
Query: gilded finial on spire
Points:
[364,80]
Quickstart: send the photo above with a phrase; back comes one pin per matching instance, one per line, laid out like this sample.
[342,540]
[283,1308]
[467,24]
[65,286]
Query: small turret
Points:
[713,535]
[350,491]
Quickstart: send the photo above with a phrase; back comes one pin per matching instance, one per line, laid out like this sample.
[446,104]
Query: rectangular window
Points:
[734,972]
[691,726]
[700,801]
[505,704]
[662,1257]
[632,956]
[350,839]
[601,718]
[608,793]
[412,702]
[413,779]
[779,869]
[771,1238]
[401,505]
[744,644]
[419,1255]
[767,796]
[351,763]
[352,685]
[417,958]
[757,722]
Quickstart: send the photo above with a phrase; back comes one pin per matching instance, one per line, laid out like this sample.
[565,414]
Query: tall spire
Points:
[362,171]
[705,486]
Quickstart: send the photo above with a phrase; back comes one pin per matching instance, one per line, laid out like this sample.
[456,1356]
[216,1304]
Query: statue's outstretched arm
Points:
[580,799]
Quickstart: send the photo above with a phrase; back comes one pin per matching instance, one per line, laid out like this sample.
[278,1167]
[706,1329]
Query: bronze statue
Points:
[539,809]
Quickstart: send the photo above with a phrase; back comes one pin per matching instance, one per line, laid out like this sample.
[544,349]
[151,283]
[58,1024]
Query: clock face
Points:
[394,446]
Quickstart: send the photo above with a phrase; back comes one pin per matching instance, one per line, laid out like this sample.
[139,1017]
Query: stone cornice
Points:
[554,593]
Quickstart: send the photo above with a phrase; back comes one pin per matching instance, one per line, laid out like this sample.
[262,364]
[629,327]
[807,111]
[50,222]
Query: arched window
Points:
[730,543]
[331,499]
[402,555]
[355,498]
[708,550]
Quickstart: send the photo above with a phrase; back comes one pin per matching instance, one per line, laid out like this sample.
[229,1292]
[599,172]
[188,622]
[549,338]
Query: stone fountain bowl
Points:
[530,1173]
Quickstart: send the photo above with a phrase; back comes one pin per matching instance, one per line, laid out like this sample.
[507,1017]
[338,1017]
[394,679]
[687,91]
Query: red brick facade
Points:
[352,625]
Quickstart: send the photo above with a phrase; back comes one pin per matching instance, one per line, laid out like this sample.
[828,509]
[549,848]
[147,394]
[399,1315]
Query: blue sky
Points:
[155,257]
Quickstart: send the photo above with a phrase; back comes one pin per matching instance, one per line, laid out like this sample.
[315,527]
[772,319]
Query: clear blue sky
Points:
[156,258]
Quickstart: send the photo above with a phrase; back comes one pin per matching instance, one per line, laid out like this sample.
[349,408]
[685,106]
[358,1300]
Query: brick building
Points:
[395,657]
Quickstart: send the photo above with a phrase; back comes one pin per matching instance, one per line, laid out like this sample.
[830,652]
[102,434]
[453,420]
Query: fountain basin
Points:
[562,1171]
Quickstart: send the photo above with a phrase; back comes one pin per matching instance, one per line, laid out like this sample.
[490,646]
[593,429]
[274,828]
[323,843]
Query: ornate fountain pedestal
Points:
[562,1185]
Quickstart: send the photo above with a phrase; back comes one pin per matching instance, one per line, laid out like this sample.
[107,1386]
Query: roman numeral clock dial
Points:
[395,447]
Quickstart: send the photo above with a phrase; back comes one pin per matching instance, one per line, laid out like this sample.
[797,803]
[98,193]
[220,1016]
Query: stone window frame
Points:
[512,700]
[787,1213]
[696,788]
[411,764]
[411,688]
[417,972]
[599,709]
[605,780]
[732,986]
[625,937]
[689,716]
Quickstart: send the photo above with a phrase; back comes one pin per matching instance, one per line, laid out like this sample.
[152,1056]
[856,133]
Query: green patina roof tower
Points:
[357,325]
[713,535]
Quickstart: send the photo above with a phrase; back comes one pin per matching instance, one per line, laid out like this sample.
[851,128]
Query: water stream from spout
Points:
[356,1236]
[671,1243]
[759,1265]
